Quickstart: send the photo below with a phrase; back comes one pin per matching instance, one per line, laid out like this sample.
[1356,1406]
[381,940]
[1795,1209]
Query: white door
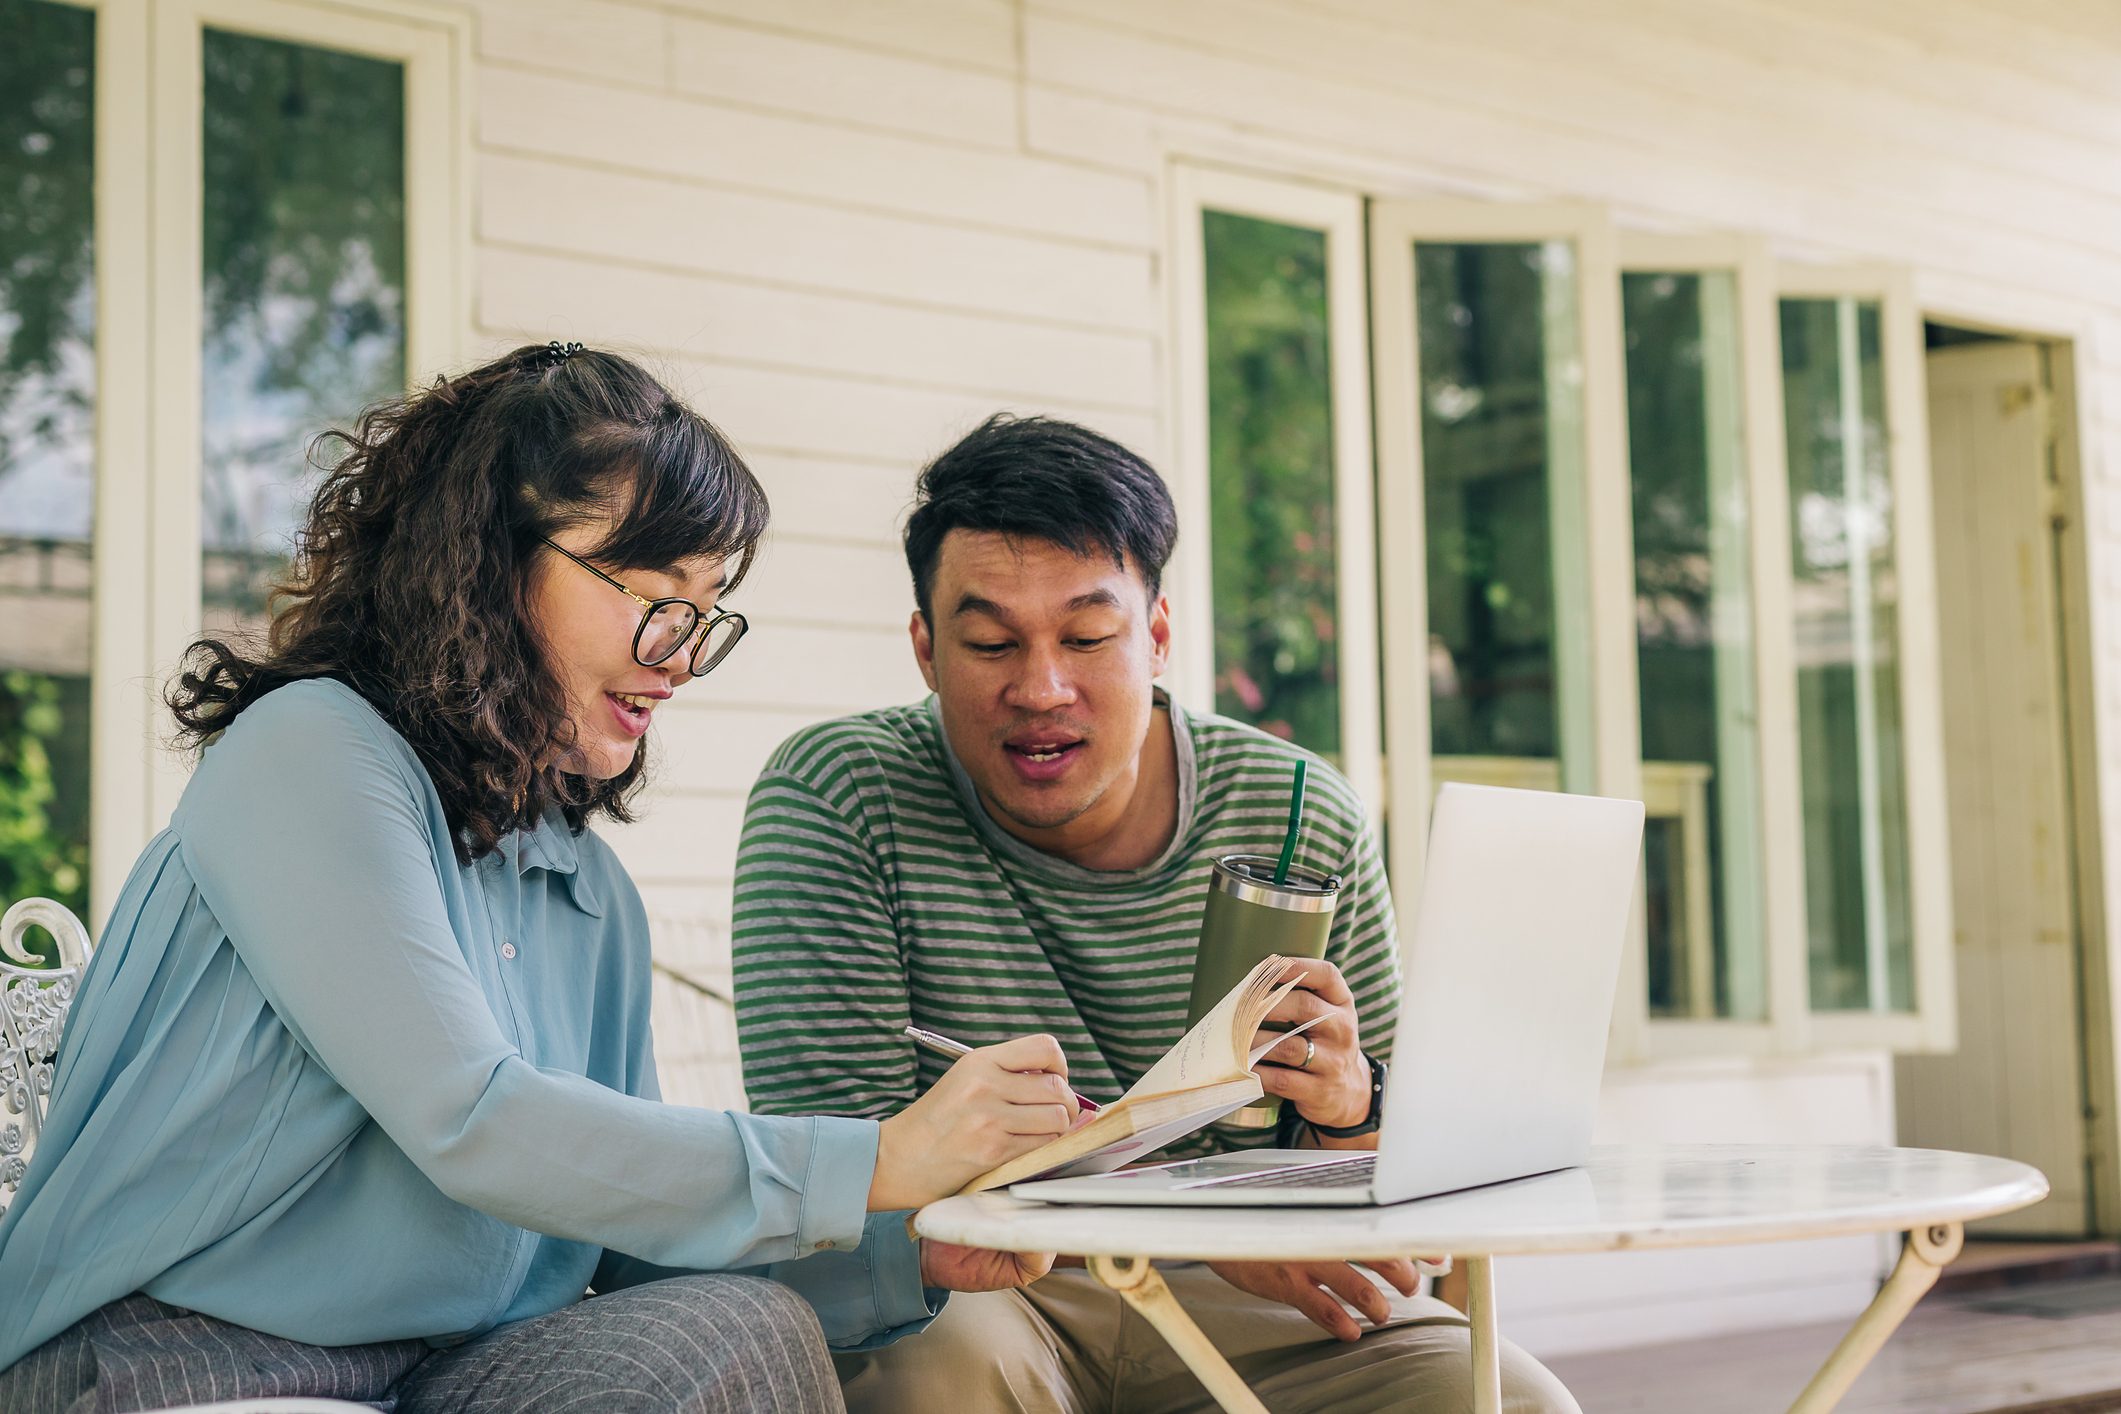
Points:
[2015,1087]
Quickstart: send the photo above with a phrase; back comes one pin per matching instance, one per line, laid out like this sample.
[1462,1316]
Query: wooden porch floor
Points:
[1951,1357]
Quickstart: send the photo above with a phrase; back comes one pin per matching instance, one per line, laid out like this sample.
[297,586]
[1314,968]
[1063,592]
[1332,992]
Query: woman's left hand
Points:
[955,1268]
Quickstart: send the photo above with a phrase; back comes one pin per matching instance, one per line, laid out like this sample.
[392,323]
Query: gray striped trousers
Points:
[689,1345]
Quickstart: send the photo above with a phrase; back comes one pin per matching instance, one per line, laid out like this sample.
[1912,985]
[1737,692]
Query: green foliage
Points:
[1484,429]
[303,225]
[47,102]
[304,222]
[1668,453]
[304,242]
[43,785]
[1270,447]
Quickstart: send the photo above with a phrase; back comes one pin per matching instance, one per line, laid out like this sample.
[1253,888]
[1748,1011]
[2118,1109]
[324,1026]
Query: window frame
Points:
[149,332]
[1933,1026]
[1196,189]
[1784,1030]
[1614,759]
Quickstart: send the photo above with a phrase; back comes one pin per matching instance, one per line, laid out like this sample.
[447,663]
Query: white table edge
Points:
[967,1221]
[1931,1224]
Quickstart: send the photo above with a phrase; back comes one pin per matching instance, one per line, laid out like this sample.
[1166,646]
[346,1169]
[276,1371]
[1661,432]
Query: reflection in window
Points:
[1694,644]
[1502,469]
[1270,450]
[304,272]
[47,446]
[1845,599]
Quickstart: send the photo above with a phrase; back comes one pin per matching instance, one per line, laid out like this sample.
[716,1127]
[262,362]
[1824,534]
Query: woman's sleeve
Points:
[314,843]
[864,1299]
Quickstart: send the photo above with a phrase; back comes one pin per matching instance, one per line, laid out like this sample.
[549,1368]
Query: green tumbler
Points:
[1251,918]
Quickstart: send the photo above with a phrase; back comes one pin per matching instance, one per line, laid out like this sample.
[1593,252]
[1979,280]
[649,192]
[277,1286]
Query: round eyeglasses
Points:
[667,624]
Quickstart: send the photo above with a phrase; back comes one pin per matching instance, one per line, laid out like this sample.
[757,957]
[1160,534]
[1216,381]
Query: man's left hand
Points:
[1334,1089]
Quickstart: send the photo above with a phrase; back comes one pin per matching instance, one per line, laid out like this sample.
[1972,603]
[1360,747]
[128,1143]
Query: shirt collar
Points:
[550,845]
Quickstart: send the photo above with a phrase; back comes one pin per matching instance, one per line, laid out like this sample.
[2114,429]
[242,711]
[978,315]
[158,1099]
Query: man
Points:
[1028,850]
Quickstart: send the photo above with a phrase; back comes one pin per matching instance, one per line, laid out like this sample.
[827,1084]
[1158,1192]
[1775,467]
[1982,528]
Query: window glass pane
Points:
[1502,469]
[1845,598]
[1694,643]
[304,279]
[47,446]
[1270,453]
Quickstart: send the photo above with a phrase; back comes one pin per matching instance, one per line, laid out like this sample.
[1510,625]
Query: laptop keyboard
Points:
[1346,1173]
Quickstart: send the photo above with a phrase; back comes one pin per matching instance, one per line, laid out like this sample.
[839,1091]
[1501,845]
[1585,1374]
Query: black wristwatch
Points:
[1370,1121]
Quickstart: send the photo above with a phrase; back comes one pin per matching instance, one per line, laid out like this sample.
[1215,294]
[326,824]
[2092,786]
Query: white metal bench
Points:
[34,998]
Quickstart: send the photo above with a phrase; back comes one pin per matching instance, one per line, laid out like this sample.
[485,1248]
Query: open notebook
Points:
[1198,1081]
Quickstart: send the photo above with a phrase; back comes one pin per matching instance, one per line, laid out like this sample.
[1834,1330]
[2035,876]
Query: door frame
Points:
[2099,1002]
[2079,698]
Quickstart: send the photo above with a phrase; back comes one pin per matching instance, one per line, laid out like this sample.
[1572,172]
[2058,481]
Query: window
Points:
[1722,873]
[1845,600]
[1500,394]
[1862,606]
[1270,479]
[1600,569]
[47,446]
[276,237]
[1274,478]
[1501,485]
[1694,644]
[303,284]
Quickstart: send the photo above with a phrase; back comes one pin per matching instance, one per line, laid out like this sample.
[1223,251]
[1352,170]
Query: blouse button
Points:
[508,950]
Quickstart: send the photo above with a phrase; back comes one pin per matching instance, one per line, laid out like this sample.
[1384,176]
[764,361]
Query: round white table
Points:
[1624,1198]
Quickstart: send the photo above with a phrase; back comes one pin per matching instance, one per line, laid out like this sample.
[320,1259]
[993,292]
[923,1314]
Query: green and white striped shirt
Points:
[874,890]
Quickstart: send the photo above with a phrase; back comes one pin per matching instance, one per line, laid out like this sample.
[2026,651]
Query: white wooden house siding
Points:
[852,228]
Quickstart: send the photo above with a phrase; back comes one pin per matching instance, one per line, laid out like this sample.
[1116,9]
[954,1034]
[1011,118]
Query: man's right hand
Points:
[1323,1291]
[989,1107]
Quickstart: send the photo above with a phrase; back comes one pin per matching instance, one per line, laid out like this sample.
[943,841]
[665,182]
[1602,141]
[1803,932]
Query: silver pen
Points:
[943,1046]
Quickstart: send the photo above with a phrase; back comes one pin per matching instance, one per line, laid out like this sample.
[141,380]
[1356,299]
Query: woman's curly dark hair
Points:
[411,580]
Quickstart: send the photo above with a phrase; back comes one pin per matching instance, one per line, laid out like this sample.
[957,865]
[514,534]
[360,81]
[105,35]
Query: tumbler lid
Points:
[1250,877]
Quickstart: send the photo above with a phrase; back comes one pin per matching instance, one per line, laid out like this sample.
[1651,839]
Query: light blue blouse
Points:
[323,1081]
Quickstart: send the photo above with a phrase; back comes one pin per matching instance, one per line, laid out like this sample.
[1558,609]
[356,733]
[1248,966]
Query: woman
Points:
[357,1097]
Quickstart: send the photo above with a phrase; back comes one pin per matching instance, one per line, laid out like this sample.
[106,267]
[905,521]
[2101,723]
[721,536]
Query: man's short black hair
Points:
[1038,478]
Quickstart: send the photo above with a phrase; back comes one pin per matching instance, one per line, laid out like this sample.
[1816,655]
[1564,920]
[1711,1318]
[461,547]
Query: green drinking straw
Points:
[1296,820]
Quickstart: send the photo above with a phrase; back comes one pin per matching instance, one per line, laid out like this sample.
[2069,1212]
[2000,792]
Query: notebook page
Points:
[1215,1049]
[1280,1036]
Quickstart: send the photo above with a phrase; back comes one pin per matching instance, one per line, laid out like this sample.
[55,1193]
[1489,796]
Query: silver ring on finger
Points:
[1310,1054]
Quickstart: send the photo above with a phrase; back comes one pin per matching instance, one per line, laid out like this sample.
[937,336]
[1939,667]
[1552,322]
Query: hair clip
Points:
[557,353]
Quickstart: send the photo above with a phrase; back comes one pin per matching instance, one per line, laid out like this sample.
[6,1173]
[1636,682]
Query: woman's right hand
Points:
[989,1107]
[954,1268]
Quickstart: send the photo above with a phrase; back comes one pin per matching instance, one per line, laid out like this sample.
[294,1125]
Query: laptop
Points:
[1509,984]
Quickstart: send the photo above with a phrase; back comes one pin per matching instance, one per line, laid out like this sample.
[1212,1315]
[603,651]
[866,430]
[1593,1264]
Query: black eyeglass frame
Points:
[702,625]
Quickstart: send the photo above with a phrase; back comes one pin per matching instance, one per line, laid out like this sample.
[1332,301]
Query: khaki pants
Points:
[1067,1344]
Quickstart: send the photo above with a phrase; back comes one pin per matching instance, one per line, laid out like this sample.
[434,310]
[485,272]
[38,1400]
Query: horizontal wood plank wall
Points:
[852,228]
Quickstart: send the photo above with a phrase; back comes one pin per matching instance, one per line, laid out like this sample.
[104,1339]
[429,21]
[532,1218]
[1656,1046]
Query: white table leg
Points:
[1926,1253]
[1143,1288]
[1487,1344]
